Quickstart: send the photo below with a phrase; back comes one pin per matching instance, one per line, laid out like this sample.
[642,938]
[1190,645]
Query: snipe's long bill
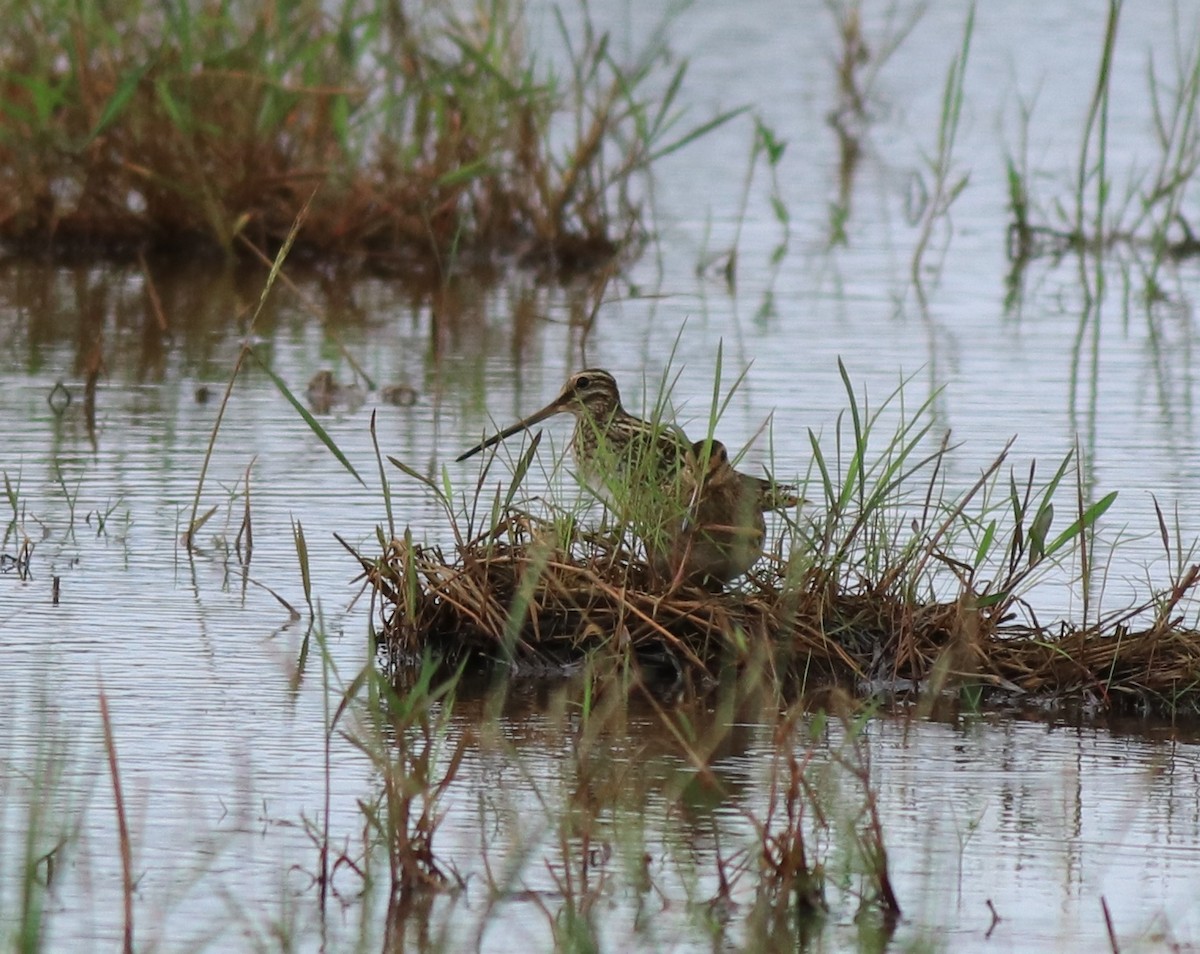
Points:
[560,404]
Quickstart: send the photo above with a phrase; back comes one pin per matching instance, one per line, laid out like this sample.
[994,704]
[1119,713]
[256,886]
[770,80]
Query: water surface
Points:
[221,735]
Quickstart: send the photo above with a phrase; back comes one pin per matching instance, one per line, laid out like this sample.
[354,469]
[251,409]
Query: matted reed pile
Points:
[536,595]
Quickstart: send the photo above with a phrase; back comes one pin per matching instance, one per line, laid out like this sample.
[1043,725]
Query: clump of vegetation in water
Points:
[421,135]
[1097,216]
[890,582]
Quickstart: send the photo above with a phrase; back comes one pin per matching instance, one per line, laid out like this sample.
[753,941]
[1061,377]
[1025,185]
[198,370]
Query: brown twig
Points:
[110,749]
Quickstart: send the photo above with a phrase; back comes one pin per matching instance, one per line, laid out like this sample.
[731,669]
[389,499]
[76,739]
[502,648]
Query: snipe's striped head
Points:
[592,393]
[712,464]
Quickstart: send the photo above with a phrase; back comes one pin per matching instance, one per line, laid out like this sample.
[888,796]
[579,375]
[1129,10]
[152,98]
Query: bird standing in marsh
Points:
[722,533]
[700,520]
[611,447]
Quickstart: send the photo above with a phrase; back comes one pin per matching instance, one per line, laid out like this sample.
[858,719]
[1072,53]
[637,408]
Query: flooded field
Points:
[879,237]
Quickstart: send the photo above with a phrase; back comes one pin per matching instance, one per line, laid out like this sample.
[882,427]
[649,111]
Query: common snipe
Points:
[612,448]
[721,535]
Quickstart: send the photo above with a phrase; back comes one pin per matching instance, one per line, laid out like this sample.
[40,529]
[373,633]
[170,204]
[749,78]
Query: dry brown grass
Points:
[520,597]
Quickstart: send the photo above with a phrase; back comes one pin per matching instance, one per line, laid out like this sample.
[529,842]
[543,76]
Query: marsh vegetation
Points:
[419,138]
[380,698]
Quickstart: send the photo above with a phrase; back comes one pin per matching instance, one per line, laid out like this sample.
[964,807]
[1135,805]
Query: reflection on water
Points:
[1037,822]
[218,727]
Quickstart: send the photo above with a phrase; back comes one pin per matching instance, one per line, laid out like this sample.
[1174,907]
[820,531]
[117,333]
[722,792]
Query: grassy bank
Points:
[422,134]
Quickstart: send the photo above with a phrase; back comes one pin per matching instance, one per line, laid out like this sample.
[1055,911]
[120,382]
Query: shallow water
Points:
[220,737]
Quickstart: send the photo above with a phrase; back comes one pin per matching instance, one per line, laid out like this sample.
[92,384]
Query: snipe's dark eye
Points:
[582,383]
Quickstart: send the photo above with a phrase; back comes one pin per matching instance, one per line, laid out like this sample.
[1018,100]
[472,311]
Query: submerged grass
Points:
[893,583]
[426,133]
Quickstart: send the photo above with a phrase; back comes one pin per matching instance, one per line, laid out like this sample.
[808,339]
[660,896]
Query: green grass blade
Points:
[384,486]
[418,476]
[1037,532]
[695,133]
[302,557]
[522,469]
[985,545]
[1088,520]
[819,460]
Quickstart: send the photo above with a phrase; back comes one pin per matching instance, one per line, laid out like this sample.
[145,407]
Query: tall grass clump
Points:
[818,843]
[423,133]
[731,815]
[941,185]
[632,823]
[858,61]
[900,578]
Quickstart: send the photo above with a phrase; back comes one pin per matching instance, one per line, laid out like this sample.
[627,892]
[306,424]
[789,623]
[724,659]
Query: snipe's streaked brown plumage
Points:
[722,533]
[609,444]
